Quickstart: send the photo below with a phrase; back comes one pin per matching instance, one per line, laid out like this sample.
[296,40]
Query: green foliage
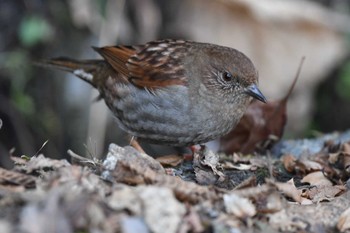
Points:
[17,64]
[343,83]
[33,30]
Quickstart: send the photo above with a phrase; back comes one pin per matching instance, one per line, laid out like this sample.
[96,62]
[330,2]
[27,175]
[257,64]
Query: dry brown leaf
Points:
[170,160]
[260,123]
[305,201]
[290,190]
[162,211]
[205,164]
[133,168]
[191,222]
[239,206]
[344,221]
[210,159]
[310,165]
[12,177]
[323,192]
[125,198]
[240,166]
[289,162]
[347,162]
[346,148]
[272,203]
[316,178]
[333,158]
[41,162]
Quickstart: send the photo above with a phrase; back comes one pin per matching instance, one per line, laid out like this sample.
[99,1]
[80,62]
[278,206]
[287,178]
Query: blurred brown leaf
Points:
[16,178]
[291,191]
[170,160]
[323,192]
[344,221]
[41,162]
[289,162]
[240,207]
[316,178]
[135,168]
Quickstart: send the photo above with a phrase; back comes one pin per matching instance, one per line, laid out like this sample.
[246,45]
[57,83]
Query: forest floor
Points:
[295,191]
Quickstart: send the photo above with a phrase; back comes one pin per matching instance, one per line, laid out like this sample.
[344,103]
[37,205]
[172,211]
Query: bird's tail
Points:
[84,69]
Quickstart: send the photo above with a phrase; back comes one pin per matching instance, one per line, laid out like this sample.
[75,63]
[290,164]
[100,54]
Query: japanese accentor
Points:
[171,92]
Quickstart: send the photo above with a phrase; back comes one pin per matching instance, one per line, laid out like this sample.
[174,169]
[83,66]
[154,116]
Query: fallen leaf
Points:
[162,211]
[205,165]
[333,158]
[346,147]
[347,162]
[309,165]
[127,165]
[289,162]
[41,162]
[344,221]
[170,160]
[262,123]
[16,178]
[323,192]
[290,190]
[239,206]
[240,167]
[191,222]
[316,178]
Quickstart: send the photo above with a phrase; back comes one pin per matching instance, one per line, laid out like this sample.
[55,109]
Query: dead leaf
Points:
[316,178]
[125,198]
[170,160]
[323,192]
[193,222]
[309,165]
[131,167]
[347,162]
[41,162]
[13,177]
[289,162]
[205,164]
[240,166]
[261,124]
[346,148]
[273,204]
[290,190]
[162,211]
[333,158]
[239,206]
[302,165]
[344,221]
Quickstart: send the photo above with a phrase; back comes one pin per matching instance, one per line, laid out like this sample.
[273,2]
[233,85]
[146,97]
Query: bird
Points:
[170,92]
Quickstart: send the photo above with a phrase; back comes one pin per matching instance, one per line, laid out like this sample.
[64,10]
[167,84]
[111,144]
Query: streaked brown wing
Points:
[117,57]
[156,64]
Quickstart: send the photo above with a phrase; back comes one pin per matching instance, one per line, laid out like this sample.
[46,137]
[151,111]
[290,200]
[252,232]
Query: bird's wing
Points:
[155,64]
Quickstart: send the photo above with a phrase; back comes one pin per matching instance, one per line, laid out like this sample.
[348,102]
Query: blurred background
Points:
[37,104]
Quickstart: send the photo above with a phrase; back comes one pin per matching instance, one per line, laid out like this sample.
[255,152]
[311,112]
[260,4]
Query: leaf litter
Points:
[132,192]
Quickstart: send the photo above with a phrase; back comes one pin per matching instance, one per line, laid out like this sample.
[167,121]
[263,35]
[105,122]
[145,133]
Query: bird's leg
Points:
[134,143]
[194,149]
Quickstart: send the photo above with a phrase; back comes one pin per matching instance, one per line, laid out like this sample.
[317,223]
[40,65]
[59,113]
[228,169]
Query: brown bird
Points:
[171,92]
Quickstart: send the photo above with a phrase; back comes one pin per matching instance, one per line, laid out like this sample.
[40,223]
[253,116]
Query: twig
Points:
[83,160]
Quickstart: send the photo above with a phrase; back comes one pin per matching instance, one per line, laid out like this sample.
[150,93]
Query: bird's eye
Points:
[227,76]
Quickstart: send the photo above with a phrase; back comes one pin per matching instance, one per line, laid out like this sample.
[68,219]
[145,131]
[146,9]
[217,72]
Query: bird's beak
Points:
[254,92]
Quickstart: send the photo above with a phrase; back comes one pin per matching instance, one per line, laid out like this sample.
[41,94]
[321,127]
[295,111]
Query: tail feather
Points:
[84,69]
